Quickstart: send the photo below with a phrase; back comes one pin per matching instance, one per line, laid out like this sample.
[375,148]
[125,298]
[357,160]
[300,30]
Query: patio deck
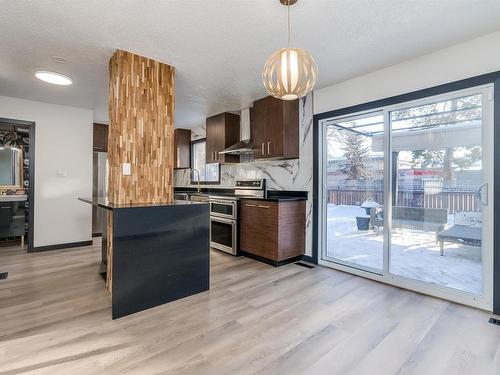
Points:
[414,253]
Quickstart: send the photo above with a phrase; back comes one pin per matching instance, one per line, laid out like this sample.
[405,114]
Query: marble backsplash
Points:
[296,174]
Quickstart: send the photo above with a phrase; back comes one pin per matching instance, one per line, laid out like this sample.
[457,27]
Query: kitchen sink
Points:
[197,197]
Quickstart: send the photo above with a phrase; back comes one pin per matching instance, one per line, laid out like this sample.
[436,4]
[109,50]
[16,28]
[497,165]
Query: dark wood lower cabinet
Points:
[272,230]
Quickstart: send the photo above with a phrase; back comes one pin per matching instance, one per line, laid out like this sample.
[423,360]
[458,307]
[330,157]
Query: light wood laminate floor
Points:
[55,318]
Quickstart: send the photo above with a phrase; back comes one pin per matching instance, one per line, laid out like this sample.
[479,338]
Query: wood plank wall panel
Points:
[141,129]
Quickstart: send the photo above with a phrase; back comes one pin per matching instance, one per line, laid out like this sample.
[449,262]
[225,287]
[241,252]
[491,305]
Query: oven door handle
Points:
[222,220]
[226,203]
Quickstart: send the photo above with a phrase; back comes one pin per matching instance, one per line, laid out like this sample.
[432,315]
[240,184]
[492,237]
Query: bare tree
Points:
[439,114]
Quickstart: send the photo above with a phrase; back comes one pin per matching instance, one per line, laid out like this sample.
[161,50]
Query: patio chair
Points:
[419,218]
[467,230]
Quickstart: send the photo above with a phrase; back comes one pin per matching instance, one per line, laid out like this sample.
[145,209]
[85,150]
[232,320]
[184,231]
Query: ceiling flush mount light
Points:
[289,73]
[53,77]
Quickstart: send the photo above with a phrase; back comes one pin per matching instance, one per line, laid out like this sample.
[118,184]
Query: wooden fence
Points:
[451,201]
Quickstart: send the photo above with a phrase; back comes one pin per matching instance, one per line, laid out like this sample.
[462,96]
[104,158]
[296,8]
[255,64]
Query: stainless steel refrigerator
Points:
[99,189]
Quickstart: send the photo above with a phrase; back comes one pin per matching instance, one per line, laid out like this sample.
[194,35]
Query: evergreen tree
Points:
[355,153]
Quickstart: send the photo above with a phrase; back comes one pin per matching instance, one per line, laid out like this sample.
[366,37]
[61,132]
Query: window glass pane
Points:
[199,160]
[207,172]
[212,172]
[448,114]
[355,175]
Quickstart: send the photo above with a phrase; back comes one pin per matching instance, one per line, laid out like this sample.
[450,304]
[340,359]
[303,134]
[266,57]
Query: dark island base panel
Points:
[160,254]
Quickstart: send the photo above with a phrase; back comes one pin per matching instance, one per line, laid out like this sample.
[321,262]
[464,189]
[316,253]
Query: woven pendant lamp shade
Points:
[289,73]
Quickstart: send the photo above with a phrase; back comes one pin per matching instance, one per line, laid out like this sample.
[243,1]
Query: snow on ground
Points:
[414,253]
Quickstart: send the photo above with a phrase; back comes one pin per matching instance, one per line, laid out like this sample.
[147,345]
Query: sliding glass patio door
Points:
[407,195]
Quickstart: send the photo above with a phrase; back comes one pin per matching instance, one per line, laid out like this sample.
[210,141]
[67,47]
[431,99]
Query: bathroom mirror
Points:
[11,167]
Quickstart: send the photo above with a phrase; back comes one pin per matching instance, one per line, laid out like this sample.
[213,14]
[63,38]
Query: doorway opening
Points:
[17,162]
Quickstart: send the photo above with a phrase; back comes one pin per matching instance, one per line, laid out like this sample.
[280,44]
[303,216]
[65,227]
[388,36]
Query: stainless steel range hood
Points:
[244,146]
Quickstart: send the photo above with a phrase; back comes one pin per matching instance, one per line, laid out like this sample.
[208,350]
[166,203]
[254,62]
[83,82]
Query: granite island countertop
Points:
[104,203]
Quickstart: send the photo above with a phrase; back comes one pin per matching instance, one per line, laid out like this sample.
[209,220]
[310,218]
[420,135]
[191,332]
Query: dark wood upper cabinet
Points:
[100,137]
[182,148]
[212,138]
[223,130]
[275,128]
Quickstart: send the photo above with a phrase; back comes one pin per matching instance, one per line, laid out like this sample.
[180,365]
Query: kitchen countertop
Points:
[272,195]
[272,199]
[277,199]
[104,203]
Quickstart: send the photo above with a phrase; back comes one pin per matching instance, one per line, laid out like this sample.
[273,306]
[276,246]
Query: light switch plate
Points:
[126,169]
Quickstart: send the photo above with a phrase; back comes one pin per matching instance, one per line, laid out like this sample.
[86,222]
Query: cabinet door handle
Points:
[249,205]
[263,152]
[268,147]
[263,206]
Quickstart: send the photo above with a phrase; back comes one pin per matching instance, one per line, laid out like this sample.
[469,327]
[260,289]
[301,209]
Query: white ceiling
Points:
[219,46]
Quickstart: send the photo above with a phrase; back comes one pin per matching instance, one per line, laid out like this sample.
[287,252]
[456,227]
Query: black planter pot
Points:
[363,223]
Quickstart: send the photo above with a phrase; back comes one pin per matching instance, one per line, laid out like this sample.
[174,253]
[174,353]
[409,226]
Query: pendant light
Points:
[289,73]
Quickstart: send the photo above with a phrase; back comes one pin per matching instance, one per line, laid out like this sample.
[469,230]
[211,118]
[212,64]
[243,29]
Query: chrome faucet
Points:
[198,180]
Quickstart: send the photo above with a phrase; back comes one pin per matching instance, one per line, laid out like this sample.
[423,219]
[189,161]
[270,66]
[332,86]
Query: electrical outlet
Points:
[126,169]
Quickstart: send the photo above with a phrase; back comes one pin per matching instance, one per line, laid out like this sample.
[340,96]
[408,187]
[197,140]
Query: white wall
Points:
[469,59]
[63,145]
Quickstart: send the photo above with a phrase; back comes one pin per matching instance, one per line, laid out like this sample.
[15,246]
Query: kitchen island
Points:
[154,253]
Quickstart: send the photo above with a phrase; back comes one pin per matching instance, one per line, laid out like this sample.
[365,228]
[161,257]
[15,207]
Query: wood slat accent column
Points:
[141,129]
